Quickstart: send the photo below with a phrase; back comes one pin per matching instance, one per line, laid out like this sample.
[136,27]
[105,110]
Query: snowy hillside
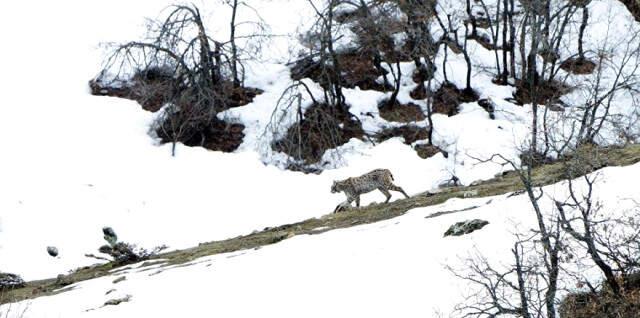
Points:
[73,163]
[390,268]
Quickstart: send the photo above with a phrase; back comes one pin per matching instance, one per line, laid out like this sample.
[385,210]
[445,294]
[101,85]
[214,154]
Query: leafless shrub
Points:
[180,65]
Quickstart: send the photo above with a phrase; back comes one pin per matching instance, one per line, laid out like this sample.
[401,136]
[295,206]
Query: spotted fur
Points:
[380,179]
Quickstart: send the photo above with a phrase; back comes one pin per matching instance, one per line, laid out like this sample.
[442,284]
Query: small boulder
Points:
[110,235]
[117,301]
[52,250]
[465,227]
[10,281]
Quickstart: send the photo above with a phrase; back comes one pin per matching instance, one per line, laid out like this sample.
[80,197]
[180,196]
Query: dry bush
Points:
[602,304]
[179,65]
[578,66]
[322,127]
[448,97]
[410,133]
[546,92]
[358,70]
[427,151]
[400,112]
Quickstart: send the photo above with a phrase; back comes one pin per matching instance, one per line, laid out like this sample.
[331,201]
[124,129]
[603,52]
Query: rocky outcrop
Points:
[465,227]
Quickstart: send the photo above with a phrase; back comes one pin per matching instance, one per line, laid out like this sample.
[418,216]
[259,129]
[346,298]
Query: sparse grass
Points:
[509,182]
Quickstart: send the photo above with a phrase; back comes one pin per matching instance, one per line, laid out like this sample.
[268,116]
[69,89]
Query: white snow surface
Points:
[393,268]
[72,163]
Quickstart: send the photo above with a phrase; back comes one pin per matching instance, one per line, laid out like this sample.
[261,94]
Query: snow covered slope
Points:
[72,163]
[394,268]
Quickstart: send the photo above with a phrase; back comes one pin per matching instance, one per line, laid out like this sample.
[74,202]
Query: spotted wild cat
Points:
[380,179]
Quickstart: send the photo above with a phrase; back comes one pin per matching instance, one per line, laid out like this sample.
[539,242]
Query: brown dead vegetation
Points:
[400,112]
[448,98]
[323,127]
[546,93]
[410,133]
[580,66]
[153,88]
[427,151]
[217,135]
[358,71]
[419,92]
[604,304]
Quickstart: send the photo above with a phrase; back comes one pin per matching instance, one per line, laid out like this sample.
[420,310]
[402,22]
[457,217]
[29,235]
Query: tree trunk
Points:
[585,20]
[232,41]
[505,72]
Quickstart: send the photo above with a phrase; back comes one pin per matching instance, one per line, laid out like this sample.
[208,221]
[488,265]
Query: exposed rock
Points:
[122,253]
[117,301]
[10,281]
[63,280]
[449,183]
[465,227]
[119,279]
[52,250]
[489,106]
[110,235]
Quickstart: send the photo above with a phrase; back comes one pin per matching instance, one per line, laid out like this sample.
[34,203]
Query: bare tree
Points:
[181,65]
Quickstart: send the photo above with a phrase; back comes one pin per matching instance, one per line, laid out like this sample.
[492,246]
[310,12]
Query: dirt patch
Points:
[150,91]
[427,151]
[419,93]
[217,135]
[400,112]
[186,123]
[410,133]
[323,127]
[153,88]
[358,70]
[578,66]
[448,98]
[546,93]
[423,74]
